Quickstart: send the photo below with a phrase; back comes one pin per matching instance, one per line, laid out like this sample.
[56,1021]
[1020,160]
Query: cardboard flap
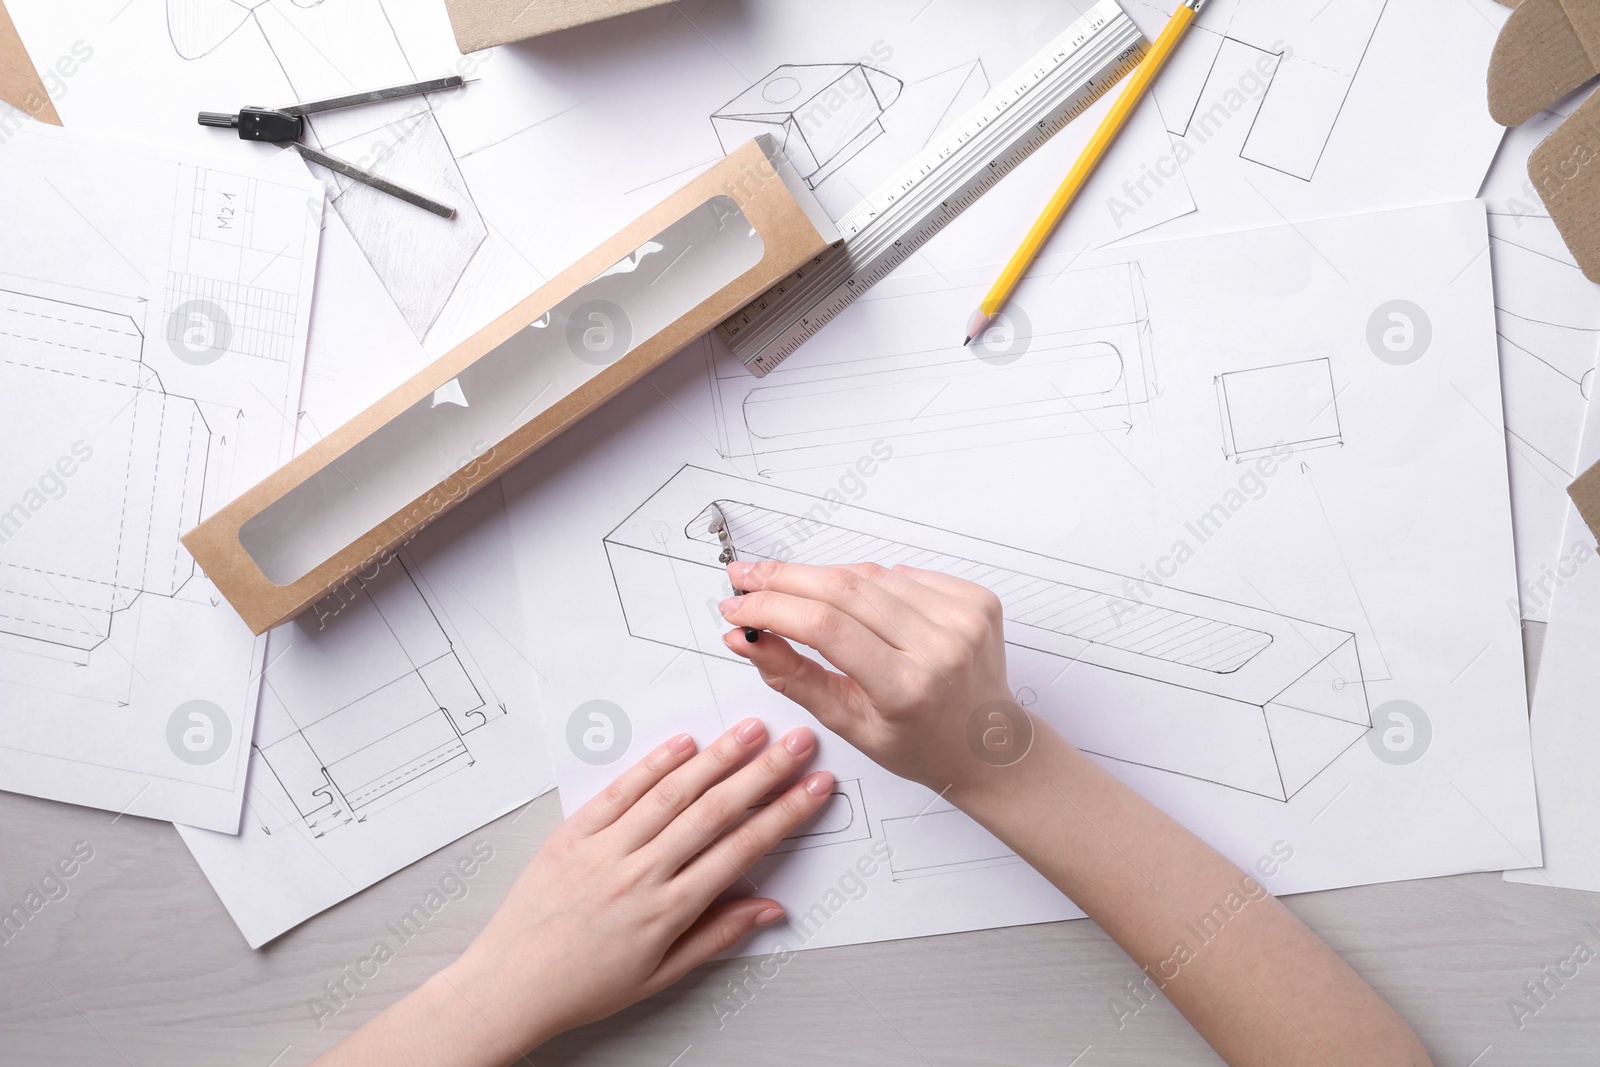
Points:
[1562,170]
[1586,494]
[1547,49]
[485,23]
[19,81]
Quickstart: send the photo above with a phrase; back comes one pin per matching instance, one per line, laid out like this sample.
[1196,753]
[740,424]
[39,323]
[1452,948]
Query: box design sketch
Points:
[821,114]
[1063,368]
[1214,690]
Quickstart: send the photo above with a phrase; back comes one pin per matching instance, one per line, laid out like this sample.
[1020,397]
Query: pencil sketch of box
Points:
[821,114]
[1084,367]
[73,560]
[1222,692]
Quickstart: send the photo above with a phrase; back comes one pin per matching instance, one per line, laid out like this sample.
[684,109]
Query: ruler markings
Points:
[1010,124]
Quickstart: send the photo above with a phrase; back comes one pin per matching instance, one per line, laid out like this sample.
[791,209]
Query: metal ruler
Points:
[1014,120]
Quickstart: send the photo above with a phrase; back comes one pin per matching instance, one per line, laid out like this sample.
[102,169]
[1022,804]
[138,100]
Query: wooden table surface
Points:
[139,964]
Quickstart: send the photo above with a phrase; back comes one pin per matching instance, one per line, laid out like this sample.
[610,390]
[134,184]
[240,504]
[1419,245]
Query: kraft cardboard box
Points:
[1546,50]
[20,84]
[485,23]
[1586,494]
[342,507]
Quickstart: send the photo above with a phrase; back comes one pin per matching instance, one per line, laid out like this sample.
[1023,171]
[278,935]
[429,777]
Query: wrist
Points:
[997,791]
[482,1002]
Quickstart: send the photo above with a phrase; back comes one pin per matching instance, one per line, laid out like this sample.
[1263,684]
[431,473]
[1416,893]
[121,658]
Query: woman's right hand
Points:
[923,690]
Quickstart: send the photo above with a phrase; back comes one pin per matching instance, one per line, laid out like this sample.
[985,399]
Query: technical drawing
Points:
[419,257]
[1290,407]
[842,819]
[942,842]
[1294,62]
[1206,688]
[98,542]
[334,751]
[1084,365]
[821,114]
[1549,339]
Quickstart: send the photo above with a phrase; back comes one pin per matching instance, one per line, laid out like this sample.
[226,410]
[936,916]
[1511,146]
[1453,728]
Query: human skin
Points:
[619,902]
[919,654]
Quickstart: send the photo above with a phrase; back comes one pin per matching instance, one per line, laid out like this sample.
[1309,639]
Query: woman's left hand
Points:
[618,903]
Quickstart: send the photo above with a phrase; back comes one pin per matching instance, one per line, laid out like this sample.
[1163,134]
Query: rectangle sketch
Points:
[841,819]
[1081,362]
[398,723]
[1223,692]
[1310,53]
[942,842]
[1293,406]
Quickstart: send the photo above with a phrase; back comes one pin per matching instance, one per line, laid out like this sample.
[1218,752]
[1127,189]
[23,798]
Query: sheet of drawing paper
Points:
[1566,730]
[1548,316]
[1253,543]
[153,310]
[558,143]
[1294,109]
[399,715]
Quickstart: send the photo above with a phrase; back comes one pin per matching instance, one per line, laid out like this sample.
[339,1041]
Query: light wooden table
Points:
[139,964]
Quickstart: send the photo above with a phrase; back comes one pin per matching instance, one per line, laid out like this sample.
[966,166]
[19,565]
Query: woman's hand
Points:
[923,656]
[618,904]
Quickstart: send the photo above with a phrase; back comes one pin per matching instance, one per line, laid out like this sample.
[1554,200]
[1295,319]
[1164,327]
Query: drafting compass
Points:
[719,526]
[286,125]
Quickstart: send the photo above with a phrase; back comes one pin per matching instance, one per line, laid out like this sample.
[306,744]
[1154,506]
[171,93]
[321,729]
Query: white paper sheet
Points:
[1348,686]
[1282,110]
[560,142]
[1566,730]
[402,720]
[1548,316]
[153,311]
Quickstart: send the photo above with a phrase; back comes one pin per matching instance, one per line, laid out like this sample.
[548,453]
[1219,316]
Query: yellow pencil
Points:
[1138,84]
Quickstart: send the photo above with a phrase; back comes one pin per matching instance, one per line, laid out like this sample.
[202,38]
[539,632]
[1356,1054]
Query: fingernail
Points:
[738,569]
[820,784]
[769,916]
[749,730]
[680,744]
[799,741]
[729,606]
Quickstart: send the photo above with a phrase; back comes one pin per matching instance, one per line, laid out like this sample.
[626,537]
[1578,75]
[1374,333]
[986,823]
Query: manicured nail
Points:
[769,916]
[738,569]
[680,744]
[820,784]
[729,606]
[749,730]
[799,741]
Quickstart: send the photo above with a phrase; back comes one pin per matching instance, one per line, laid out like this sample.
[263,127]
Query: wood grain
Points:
[139,963]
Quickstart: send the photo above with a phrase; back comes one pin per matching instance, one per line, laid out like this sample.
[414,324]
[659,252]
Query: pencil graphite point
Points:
[976,325]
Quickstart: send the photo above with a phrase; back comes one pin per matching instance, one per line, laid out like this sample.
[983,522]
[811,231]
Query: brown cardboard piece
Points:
[1586,494]
[1548,49]
[778,207]
[485,23]
[19,81]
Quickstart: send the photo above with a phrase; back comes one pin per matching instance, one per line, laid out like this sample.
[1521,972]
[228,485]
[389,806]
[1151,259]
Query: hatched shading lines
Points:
[1086,614]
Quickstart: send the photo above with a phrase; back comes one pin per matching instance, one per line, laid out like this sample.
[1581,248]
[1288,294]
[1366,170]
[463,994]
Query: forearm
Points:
[447,1019]
[1255,982]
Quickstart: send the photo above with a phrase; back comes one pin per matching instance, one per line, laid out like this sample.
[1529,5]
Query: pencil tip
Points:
[967,342]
